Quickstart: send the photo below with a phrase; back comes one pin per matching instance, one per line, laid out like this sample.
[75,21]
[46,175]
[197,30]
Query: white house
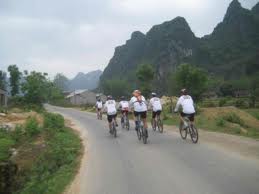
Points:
[81,97]
[3,98]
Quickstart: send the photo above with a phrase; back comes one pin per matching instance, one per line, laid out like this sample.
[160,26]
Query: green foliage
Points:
[2,80]
[15,76]
[53,121]
[241,103]
[32,127]
[222,102]
[116,88]
[233,118]
[227,89]
[220,122]
[61,82]
[6,143]
[56,166]
[190,77]
[35,88]
[145,75]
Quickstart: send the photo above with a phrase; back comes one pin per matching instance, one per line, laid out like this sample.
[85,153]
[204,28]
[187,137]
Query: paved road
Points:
[166,165]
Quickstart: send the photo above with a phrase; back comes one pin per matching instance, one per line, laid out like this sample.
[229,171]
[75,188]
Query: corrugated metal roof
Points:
[76,92]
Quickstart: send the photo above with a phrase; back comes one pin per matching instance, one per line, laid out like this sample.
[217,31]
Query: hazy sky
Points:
[69,36]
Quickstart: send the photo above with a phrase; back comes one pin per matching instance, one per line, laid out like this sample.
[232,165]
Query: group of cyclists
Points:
[139,106]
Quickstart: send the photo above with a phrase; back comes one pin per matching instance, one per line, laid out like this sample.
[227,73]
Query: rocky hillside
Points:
[85,81]
[231,50]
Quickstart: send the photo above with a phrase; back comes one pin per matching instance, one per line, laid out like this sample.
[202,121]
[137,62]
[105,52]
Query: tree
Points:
[61,82]
[116,88]
[192,78]
[36,88]
[15,76]
[2,80]
[254,90]
[145,75]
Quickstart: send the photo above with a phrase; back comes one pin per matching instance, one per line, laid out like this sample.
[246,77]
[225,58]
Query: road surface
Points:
[166,165]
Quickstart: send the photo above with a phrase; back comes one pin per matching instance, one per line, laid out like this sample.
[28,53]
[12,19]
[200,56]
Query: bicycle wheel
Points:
[114,130]
[144,136]
[122,123]
[101,115]
[183,131]
[127,124]
[153,124]
[160,126]
[139,133]
[194,134]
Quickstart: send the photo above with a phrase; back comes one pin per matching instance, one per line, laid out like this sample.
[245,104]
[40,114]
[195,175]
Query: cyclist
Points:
[138,102]
[156,106]
[188,110]
[124,107]
[110,108]
[98,105]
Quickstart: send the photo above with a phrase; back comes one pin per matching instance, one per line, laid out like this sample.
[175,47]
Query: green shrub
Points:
[234,118]
[237,130]
[32,127]
[54,121]
[5,146]
[222,102]
[220,122]
[18,133]
[241,103]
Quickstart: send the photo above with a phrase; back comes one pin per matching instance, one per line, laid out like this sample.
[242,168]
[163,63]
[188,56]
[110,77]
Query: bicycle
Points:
[142,133]
[113,130]
[157,123]
[99,115]
[189,129]
[125,121]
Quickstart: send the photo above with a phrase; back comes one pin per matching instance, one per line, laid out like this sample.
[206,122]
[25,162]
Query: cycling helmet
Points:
[136,93]
[153,94]
[183,91]
[123,98]
[109,97]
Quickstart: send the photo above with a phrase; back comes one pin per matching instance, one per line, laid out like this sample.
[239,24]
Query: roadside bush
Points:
[6,144]
[222,102]
[18,133]
[241,103]
[220,122]
[32,127]
[234,118]
[54,121]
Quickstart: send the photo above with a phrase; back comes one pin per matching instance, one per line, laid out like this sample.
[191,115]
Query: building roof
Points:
[76,92]
[3,92]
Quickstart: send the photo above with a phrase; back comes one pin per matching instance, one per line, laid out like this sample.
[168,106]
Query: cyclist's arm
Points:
[178,104]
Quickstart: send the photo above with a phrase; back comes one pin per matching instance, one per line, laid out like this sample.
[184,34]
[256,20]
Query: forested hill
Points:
[232,50]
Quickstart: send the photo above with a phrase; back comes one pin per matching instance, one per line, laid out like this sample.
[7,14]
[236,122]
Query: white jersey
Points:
[110,107]
[187,104]
[155,104]
[99,104]
[139,105]
[124,105]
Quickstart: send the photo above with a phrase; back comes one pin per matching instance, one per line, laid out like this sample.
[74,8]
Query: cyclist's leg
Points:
[182,121]
[191,117]
[135,115]
[109,118]
[144,118]
[115,119]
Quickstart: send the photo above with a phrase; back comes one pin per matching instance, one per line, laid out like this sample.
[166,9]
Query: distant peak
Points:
[137,34]
[255,9]
[233,9]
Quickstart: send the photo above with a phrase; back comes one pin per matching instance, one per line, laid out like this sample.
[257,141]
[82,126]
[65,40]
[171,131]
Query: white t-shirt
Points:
[124,105]
[99,104]
[139,105]
[156,104]
[187,104]
[110,106]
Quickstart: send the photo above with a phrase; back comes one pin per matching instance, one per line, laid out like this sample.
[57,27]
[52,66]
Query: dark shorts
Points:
[156,113]
[99,109]
[110,117]
[190,116]
[143,115]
